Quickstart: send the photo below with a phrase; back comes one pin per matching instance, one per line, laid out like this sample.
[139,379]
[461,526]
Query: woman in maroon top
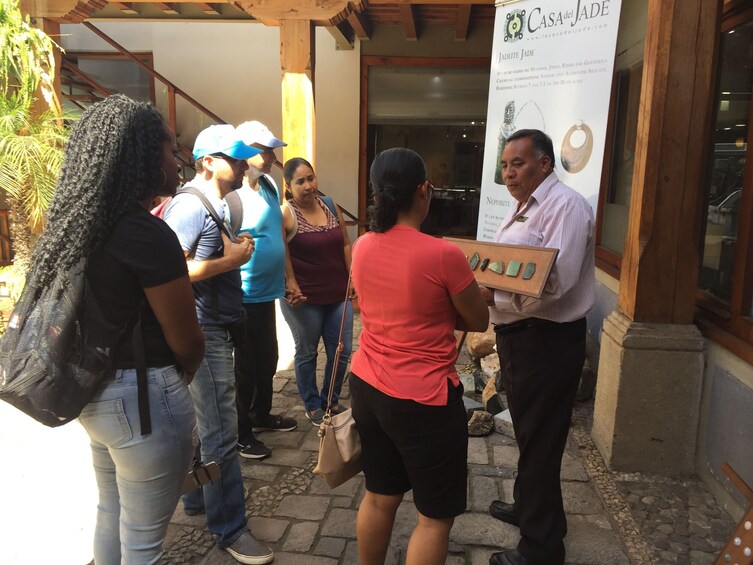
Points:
[319,249]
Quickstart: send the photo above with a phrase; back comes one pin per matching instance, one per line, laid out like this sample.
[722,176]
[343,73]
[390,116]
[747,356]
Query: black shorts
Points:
[407,445]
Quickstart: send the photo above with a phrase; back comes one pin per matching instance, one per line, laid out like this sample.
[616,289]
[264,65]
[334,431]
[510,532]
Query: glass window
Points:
[617,205]
[729,148]
[440,113]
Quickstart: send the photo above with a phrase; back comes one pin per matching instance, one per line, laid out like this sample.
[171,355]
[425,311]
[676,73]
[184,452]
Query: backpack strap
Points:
[142,387]
[235,207]
[214,298]
[210,209]
[330,204]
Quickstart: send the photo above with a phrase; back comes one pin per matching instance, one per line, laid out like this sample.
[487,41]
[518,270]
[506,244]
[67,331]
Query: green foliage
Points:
[31,140]
[31,153]
[27,60]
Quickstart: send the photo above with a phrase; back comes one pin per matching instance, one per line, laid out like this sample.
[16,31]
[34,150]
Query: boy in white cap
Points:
[255,209]
[213,260]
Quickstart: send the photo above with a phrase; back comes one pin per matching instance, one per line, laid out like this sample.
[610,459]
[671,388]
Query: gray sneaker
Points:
[246,549]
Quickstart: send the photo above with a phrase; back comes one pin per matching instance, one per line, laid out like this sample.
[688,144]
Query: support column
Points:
[297,56]
[651,363]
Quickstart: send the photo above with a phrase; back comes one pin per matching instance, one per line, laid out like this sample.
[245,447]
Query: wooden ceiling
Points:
[344,18]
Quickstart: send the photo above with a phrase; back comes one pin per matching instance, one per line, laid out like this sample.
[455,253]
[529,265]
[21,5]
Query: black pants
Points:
[255,366]
[541,367]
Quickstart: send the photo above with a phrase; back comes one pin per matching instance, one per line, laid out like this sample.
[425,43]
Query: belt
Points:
[525,323]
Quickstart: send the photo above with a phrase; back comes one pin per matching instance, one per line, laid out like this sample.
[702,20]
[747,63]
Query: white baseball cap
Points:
[256,133]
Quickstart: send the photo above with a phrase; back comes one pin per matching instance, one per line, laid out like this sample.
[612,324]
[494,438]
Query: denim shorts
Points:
[407,445]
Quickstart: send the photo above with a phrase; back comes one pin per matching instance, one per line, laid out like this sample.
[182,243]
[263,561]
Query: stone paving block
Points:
[180,517]
[282,439]
[588,544]
[217,556]
[289,457]
[330,547]
[505,455]
[303,507]
[340,523]
[477,451]
[701,558]
[284,558]
[341,502]
[252,469]
[580,498]
[482,491]
[351,553]
[279,383]
[499,439]
[455,560]
[493,471]
[474,528]
[301,537]
[507,490]
[405,522]
[572,469]
[269,530]
[480,556]
[348,488]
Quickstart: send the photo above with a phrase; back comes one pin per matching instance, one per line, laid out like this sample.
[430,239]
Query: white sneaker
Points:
[246,549]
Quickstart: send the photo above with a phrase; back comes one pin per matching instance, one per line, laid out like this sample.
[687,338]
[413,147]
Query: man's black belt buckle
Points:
[525,323]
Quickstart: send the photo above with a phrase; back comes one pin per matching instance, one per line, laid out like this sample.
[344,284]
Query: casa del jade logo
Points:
[519,22]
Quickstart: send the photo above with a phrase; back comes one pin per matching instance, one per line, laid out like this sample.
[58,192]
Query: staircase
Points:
[81,90]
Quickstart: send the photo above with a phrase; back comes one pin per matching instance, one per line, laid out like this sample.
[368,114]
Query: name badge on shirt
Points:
[521,219]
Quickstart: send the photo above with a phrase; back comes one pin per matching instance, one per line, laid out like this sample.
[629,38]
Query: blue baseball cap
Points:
[222,139]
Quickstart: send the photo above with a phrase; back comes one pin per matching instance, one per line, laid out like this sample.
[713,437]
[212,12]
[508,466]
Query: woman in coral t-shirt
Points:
[414,292]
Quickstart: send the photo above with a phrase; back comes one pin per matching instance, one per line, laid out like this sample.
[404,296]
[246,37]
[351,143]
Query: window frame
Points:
[368,61]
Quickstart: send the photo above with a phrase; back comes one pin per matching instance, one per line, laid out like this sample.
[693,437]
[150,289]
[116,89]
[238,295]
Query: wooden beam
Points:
[125,7]
[343,35]
[209,9]
[436,2]
[464,19]
[409,22]
[297,57]
[659,272]
[360,24]
[333,11]
[170,9]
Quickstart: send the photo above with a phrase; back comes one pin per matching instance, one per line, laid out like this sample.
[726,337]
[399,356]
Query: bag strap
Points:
[330,204]
[235,207]
[340,347]
[139,356]
[210,209]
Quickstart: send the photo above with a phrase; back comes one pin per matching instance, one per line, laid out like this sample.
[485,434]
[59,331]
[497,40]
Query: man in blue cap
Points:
[214,257]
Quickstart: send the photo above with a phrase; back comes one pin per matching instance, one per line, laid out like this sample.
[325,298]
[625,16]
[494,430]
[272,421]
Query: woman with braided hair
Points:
[121,156]
[414,290]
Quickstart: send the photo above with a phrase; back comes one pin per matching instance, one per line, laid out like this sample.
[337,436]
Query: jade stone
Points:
[484,264]
[498,267]
[474,261]
[513,268]
[529,271]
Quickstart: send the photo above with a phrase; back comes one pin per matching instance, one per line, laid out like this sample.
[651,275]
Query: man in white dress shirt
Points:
[541,342]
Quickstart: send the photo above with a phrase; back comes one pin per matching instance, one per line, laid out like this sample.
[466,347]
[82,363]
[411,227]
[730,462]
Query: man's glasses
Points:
[232,161]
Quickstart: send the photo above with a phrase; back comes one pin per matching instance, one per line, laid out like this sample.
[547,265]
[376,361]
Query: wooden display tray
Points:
[543,257]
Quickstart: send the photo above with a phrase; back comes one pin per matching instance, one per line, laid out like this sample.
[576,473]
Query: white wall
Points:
[233,69]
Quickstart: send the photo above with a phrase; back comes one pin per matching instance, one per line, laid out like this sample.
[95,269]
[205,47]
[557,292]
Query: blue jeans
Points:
[213,392]
[139,477]
[308,323]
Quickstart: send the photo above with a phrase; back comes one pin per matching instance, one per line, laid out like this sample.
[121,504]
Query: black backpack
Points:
[56,351]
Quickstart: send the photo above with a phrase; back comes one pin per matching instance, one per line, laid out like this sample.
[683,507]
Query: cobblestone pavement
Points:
[613,519]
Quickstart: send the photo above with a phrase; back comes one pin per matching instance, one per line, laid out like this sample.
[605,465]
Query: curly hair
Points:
[112,161]
[395,175]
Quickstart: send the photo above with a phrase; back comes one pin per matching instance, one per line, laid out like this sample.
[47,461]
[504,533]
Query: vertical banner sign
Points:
[552,65]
